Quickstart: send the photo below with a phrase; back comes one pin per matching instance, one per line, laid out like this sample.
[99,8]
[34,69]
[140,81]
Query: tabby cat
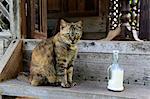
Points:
[53,59]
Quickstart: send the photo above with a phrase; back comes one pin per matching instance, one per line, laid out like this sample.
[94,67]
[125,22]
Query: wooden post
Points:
[11,61]
[29,18]
[125,9]
[1,47]
[145,20]
[11,18]
[23,19]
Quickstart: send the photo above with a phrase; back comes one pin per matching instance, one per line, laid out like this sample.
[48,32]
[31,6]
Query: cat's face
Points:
[71,32]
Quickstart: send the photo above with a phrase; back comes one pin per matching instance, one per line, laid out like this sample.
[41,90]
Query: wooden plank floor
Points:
[83,90]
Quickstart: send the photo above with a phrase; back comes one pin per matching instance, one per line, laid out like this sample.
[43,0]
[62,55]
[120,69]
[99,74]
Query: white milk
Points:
[116,81]
[115,74]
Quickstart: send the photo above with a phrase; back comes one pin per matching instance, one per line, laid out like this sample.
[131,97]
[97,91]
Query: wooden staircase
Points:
[83,90]
[89,71]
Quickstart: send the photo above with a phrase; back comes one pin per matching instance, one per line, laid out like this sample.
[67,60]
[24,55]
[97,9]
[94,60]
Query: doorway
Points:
[43,16]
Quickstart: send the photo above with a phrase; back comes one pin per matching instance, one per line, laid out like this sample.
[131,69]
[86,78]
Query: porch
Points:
[94,55]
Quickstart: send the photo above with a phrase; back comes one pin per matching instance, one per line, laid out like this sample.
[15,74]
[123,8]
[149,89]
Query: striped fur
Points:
[53,59]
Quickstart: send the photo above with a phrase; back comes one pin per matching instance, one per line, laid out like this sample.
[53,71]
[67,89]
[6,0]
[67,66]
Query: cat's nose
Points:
[73,42]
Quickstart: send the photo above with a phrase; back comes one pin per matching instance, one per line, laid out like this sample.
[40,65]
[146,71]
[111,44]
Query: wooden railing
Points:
[119,8]
[9,21]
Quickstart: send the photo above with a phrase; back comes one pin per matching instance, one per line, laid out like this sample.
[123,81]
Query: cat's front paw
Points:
[34,83]
[73,84]
[65,85]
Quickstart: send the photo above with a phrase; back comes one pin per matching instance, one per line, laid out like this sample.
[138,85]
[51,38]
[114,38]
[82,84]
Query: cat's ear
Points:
[79,23]
[63,24]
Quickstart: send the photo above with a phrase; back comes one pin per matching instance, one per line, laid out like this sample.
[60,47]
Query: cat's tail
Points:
[23,76]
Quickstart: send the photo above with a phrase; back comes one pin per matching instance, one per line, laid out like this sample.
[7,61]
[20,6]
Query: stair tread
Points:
[19,88]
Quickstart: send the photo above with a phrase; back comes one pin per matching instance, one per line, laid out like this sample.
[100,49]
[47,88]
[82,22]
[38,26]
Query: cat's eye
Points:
[62,27]
[79,27]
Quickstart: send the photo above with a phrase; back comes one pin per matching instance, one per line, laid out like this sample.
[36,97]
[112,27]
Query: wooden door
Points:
[55,8]
[145,20]
[37,18]
[82,7]
[73,8]
[54,5]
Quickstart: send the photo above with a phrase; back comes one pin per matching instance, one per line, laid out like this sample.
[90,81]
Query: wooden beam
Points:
[23,19]
[44,16]
[29,17]
[4,11]
[1,47]
[11,62]
[97,46]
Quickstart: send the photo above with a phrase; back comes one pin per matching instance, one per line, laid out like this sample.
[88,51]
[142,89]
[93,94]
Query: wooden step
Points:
[83,90]
[95,56]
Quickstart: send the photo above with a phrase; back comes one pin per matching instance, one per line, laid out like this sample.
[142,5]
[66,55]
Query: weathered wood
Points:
[11,12]
[95,56]
[83,90]
[81,6]
[44,16]
[97,46]
[94,27]
[12,24]
[54,5]
[1,47]
[91,24]
[7,55]
[6,36]
[41,32]
[23,19]
[4,11]
[29,17]
[72,5]
[15,23]
[68,8]
[11,61]
[93,66]
[145,19]
[27,97]
[104,8]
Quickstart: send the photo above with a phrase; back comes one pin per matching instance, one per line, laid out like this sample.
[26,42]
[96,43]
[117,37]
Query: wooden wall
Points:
[145,20]
[93,27]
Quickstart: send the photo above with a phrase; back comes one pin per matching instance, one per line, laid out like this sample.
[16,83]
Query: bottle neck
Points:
[115,58]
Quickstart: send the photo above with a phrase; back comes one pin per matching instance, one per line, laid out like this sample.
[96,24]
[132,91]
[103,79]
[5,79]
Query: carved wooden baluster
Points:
[135,14]
[114,13]
[125,27]
[130,25]
[4,14]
